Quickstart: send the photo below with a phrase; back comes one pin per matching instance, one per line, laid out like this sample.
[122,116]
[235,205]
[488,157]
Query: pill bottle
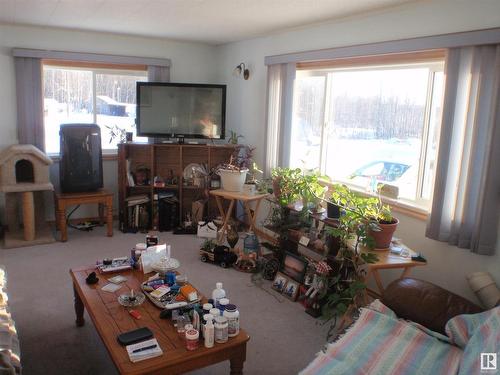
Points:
[192,339]
[221,329]
[233,320]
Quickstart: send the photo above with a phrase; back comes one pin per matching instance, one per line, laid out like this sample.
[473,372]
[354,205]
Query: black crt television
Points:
[181,110]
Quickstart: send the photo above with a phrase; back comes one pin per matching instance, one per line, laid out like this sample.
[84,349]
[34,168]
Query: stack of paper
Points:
[144,350]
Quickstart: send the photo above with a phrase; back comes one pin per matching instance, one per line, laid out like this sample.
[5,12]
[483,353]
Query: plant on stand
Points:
[344,285]
[234,172]
[312,190]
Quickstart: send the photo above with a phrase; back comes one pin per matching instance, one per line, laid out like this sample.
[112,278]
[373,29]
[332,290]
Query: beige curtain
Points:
[158,73]
[29,97]
[280,81]
[466,200]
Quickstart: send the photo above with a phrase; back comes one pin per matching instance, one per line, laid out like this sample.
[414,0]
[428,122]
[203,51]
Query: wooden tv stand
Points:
[161,159]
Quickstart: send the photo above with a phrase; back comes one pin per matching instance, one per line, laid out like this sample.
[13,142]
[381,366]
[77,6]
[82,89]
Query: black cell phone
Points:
[137,335]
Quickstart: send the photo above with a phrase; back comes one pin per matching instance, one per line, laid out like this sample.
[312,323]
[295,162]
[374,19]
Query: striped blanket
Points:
[379,343]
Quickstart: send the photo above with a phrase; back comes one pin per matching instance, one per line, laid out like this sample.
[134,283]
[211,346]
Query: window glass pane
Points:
[115,105]
[433,137]
[67,99]
[307,122]
[375,126]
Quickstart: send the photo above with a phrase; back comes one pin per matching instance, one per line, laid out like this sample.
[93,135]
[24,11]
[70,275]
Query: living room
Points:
[283,339]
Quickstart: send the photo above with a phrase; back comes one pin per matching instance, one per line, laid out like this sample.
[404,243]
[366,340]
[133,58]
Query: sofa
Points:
[416,328]
[9,343]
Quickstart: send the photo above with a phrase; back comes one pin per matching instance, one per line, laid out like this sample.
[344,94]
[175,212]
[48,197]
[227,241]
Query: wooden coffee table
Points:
[110,319]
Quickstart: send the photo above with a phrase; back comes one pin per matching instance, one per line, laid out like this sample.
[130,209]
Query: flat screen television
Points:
[181,110]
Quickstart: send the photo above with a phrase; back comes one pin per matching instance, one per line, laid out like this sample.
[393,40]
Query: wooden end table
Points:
[387,261]
[110,319]
[102,197]
[232,197]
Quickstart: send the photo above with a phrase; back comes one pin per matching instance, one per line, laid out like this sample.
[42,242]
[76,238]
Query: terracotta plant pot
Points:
[383,237]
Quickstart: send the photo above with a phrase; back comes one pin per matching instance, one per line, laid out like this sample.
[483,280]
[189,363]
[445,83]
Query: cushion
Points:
[425,303]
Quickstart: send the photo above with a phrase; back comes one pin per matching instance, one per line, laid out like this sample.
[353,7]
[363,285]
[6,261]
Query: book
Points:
[137,352]
[134,200]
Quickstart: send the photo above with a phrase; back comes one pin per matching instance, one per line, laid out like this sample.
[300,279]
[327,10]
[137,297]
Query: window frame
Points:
[435,62]
[94,68]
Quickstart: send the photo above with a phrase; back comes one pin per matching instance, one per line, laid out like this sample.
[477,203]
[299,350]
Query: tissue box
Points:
[207,229]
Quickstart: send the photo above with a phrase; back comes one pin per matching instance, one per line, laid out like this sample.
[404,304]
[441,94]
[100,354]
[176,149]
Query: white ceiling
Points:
[210,21]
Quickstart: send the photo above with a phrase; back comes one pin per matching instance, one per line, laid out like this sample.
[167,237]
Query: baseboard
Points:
[80,219]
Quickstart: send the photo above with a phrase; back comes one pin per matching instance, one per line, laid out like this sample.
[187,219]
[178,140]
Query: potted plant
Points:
[233,174]
[286,185]
[233,138]
[344,284]
[379,222]
[252,183]
[312,190]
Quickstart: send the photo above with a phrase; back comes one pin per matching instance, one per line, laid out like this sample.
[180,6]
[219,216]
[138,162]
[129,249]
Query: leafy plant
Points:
[208,245]
[345,285]
[286,185]
[233,138]
[311,189]
[240,159]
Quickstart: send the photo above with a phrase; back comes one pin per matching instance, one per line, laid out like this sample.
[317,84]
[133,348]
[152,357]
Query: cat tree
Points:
[24,176]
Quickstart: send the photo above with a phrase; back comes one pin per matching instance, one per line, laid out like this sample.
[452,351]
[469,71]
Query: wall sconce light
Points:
[241,69]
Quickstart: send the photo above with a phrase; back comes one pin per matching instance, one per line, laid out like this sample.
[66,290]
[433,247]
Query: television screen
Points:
[181,110]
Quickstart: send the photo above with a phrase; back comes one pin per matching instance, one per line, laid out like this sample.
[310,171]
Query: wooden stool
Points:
[102,197]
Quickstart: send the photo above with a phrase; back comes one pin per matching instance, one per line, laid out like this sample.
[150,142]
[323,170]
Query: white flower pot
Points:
[232,180]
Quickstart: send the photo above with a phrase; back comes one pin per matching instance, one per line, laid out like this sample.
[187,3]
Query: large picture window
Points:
[368,126]
[98,95]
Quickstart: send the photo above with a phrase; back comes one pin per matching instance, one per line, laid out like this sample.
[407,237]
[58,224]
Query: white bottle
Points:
[209,334]
[218,293]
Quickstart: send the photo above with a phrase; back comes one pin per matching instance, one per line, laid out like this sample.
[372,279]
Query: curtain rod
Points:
[89,57]
[459,39]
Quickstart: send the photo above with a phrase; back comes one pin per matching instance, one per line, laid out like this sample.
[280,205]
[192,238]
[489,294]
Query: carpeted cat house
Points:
[24,176]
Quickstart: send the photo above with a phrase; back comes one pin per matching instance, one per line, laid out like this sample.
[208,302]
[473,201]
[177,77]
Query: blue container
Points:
[251,244]
[170,278]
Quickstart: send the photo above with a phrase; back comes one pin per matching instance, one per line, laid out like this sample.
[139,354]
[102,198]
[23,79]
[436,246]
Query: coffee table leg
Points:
[79,309]
[237,361]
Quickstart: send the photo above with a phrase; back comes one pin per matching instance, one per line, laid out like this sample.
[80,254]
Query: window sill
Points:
[56,158]
[396,205]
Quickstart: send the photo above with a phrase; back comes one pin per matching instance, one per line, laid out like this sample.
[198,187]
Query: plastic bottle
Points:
[233,320]
[223,302]
[209,334]
[192,337]
[221,329]
[218,293]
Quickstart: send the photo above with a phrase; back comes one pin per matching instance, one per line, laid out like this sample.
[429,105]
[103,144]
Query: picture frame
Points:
[294,267]
[279,282]
[291,290]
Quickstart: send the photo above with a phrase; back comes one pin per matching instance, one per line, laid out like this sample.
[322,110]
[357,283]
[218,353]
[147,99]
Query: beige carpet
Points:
[283,338]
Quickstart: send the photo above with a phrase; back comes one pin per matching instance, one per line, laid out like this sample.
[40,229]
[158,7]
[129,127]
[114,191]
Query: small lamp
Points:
[241,69]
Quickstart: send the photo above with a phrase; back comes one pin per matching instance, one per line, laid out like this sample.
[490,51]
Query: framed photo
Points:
[295,267]
[291,290]
[280,282]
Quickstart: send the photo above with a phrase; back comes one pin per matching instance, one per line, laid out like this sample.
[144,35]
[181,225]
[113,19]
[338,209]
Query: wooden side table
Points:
[387,261]
[232,197]
[102,197]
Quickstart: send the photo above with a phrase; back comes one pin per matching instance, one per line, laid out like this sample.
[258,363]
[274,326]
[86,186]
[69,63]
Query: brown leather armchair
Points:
[425,303]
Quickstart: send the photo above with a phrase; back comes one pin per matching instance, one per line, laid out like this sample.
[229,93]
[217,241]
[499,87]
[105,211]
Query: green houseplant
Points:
[380,222]
[344,286]
[233,173]
[312,190]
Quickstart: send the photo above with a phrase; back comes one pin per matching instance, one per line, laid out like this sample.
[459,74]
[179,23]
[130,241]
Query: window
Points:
[103,96]
[368,126]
